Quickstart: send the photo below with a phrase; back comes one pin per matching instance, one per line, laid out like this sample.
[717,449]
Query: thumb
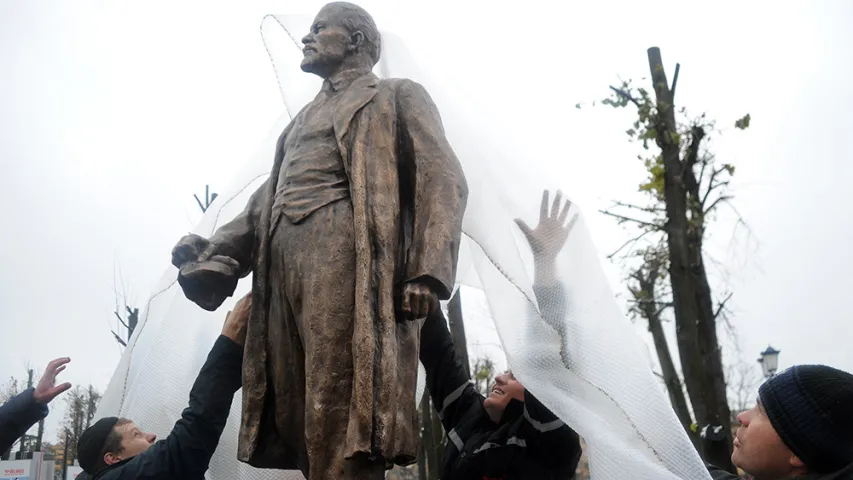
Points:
[525,229]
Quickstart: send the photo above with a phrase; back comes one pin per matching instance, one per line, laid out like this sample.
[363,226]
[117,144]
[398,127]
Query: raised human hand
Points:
[47,389]
[190,248]
[418,300]
[552,231]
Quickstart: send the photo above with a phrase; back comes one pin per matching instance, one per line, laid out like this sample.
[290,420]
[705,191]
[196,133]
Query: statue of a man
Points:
[353,238]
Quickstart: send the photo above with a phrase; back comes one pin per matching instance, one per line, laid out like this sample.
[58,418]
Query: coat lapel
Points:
[355,97]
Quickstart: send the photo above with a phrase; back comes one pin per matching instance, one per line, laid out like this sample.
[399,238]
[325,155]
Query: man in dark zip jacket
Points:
[509,434]
[117,449]
[801,428]
[26,409]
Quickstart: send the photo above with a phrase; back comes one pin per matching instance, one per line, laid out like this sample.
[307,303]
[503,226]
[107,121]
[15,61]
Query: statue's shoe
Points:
[210,282]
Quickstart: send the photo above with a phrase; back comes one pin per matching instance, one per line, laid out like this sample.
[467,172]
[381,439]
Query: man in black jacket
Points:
[27,408]
[116,448]
[800,428]
[509,434]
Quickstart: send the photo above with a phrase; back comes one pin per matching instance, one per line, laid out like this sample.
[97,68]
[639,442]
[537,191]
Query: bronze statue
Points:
[352,240]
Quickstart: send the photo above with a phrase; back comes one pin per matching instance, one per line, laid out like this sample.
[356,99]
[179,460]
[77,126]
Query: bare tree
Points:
[649,301]
[81,405]
[744,380]
[685,187]
[125,326]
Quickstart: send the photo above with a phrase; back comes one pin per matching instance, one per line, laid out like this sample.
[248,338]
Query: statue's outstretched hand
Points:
[418,300]
[189,249]
[550,235]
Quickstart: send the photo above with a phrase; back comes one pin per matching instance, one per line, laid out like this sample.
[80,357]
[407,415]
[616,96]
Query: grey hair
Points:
[356,19]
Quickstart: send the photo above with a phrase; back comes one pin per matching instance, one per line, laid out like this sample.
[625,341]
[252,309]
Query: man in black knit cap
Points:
[116,448]
[800,428]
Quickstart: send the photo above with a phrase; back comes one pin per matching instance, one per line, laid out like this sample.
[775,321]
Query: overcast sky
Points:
[115,113]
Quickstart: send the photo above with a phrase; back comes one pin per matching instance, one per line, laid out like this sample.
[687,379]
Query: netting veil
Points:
[591,370]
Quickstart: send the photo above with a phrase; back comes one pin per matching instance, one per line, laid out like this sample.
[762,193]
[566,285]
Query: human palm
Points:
[550,234]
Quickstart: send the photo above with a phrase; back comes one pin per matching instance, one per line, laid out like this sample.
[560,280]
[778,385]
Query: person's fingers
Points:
[425,305]
[543,209]
[525,229]
[59,370]
[572,223]
[55,391]
[415,304]
[407,303]
[555,207]
[564,212]
[56,363]
[432,305]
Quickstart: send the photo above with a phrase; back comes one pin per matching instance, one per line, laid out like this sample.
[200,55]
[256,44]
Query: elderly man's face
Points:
[759,451]
[327,44]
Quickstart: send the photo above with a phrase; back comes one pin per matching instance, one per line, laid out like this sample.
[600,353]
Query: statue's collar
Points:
[342,80]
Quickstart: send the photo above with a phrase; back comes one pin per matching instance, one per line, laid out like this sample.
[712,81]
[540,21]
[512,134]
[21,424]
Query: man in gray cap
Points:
[116,448]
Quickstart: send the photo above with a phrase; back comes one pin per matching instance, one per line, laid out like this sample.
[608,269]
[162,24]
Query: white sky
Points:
[115,113]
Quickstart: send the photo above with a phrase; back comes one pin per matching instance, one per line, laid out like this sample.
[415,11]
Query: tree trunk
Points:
[670,374]
[438,445]
[39,436]
[689,296]
[457,330]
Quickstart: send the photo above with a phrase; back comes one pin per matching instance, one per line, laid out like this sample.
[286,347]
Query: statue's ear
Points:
[356,40]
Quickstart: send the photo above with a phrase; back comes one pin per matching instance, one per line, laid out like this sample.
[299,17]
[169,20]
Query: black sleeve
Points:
[551,298]
[548,437]
[720,474]
[186,452]
[17,416]
[450,388]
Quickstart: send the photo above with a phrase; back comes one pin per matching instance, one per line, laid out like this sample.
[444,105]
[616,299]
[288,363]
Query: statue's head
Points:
[343,36]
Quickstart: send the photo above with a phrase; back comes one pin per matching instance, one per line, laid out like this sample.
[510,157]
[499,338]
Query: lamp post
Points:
[769,361]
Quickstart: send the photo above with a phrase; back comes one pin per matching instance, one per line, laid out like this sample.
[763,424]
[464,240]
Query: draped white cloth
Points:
[602,384]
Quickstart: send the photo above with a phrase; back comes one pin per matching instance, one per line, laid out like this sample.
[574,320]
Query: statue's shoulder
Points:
[398,83]
[403,86]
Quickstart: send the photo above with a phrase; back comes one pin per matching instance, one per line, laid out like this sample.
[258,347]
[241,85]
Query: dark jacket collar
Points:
[110,468]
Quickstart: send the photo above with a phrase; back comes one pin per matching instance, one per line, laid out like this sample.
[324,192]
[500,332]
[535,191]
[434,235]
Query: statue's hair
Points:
[356,19]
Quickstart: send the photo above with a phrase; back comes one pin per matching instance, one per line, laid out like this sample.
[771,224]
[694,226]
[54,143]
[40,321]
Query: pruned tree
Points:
[650,298]
[685,187]
[127,316]
[81,405]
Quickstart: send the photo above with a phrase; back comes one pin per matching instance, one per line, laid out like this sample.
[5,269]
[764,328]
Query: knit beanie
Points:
[811,408]
[92,441]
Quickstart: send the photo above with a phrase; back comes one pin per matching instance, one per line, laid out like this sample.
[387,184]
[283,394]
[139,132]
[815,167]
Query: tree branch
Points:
[632,242]
[118,339]
[663,307]
[722,305]
[712,186]
[623,219]
[637,207]
[625,95]
[721,198]
[200,205]
[698,134]
[675,79]
[120,320]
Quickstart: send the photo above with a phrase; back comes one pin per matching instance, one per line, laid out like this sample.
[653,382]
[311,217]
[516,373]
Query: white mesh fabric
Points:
[601,384]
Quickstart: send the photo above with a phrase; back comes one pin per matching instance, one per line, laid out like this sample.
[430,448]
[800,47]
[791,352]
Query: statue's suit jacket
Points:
[408,194]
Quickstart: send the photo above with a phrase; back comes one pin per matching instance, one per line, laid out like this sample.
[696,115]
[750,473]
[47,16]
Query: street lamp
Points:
[769,361]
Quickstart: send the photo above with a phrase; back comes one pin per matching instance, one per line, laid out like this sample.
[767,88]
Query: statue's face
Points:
[327,44]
